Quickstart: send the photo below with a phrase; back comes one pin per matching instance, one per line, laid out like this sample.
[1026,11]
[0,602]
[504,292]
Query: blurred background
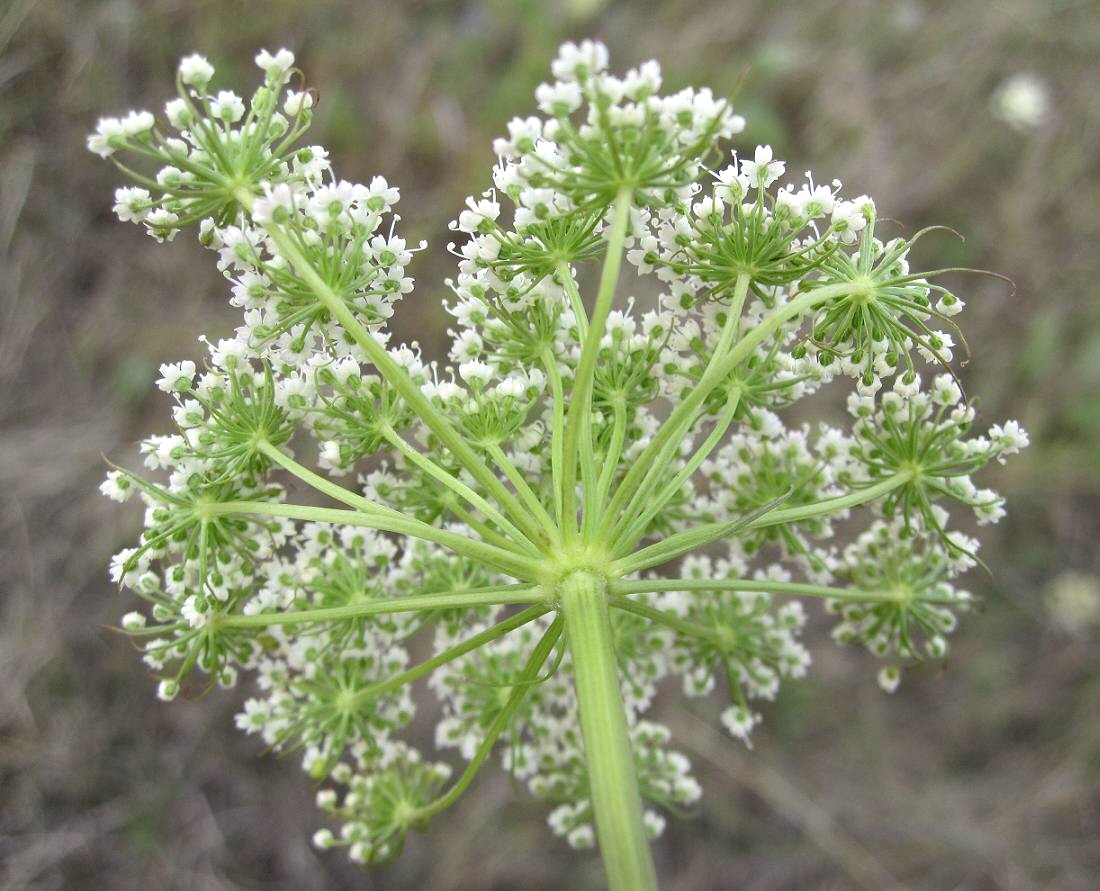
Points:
[980,116]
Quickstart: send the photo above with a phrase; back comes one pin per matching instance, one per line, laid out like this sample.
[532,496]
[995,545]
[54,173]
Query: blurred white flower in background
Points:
[1073,599]
[1022,101]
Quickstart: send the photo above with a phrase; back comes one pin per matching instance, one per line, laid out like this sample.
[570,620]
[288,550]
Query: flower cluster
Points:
[664,779]
[589,502]
[736,635]
[914,608]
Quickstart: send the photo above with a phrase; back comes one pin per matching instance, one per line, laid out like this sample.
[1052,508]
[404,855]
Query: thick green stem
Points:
[581,397]
[612,778]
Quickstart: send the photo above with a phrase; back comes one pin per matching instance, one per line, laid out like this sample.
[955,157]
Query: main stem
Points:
[613,782]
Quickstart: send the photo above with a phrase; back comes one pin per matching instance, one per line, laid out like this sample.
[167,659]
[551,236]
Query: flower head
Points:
[586,497]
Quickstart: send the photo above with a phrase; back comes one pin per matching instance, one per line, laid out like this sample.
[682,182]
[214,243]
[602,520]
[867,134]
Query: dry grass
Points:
[981,777]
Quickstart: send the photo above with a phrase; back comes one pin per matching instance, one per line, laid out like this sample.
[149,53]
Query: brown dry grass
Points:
[985,776]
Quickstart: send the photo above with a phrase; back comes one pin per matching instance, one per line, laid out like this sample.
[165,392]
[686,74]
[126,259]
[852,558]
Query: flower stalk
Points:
[609,755]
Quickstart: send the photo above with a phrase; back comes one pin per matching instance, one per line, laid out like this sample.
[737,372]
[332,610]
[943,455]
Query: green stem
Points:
[654,586]
[323,485]
[647,469]
[550,363]
[628,539]
[451,653]
[679,422]
[525,492]
[612,779]
[486,532]
[565,273]
[457,486]
[496,596]
[513,564]
[691,629]
[700,536]
[394,374]
[610,464]
[530,672]
[581,397]
[832,505]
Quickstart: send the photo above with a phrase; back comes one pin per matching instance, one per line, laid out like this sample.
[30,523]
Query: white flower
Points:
[109,134]
[275,66]
[734,185]
[178,113]
[168,690]
[117,486]
[582,837]
[847,219]
[311,162]
[479,211]
[1022,101]
[945,391]
[511,387]
[160,223]
[907,385]
[176,376]
[523,133]
[297,101]
[330,204]
[195,617]
[654,824]
[227,106]
[762,171]
[558,99]
[132,204]
[195,71]
[868,388]
[138,122]
[889,677]
[275,205]
[475,372]
[579,62]
[381,196]
[1009,437]
[739,721]
[227,353]
[133,621]
[642,81]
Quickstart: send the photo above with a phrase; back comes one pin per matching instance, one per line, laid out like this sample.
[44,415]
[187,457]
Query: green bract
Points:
[592,496]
